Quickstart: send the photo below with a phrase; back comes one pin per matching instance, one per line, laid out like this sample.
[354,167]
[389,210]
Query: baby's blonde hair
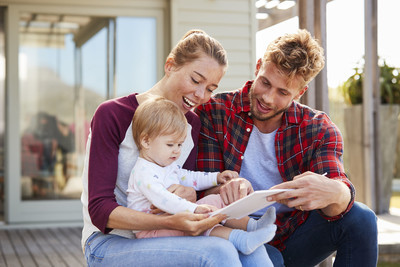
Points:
[155,117]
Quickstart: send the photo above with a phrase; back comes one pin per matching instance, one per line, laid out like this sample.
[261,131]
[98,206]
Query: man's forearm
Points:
[341,197]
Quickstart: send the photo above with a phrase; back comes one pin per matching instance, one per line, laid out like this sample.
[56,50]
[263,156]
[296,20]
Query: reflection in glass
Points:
[47,98]
[136,55]
[68,65]
[52,121]
[2,110]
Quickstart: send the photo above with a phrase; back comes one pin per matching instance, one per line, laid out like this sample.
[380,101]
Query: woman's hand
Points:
[193,224]
[235,189]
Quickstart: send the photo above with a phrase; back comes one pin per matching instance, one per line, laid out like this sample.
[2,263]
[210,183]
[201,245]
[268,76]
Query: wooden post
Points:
[312,16]
[321,81]
[306,21]
[371,101]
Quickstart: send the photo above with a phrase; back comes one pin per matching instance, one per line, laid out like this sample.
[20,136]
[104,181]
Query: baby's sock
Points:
[247,242]
[268,218]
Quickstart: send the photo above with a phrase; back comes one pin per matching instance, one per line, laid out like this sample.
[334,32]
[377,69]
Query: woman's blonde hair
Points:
[155,117]
[193,44]
[296,55]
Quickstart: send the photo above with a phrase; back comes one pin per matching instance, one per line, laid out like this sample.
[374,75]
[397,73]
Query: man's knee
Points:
[362,218]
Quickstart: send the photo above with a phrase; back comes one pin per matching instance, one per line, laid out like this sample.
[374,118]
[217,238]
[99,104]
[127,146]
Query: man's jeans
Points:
[354,237]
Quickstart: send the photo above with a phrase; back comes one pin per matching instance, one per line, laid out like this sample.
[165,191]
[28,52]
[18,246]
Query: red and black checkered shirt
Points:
[307,140]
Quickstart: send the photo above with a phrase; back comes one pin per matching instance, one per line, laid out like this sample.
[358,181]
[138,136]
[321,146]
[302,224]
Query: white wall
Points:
[230,22]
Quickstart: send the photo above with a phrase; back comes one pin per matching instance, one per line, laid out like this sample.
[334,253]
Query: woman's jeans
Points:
[113,250]
[354,238]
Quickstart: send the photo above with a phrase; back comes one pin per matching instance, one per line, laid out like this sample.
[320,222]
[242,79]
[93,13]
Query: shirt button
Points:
[249,113]
[241,157]
[248,129]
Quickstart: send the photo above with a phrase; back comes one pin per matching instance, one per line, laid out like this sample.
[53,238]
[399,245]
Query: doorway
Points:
[68,63]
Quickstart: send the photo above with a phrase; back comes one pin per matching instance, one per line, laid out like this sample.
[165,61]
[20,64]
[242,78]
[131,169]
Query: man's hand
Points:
[235,189]
[313,191]
[225,176]
[185,192]
[193,224]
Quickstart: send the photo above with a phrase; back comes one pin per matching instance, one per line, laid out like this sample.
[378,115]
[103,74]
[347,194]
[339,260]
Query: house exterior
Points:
[59,59]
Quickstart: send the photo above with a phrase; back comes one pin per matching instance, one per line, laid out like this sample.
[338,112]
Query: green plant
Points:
[389,85]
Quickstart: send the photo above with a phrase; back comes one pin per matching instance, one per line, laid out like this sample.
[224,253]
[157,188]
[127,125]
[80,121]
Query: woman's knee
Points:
[221,252]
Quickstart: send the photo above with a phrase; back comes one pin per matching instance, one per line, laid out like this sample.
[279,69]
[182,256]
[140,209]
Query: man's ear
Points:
[301,92]
[258,66]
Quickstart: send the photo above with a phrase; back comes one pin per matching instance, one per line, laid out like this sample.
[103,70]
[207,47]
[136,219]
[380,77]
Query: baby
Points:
[159,130]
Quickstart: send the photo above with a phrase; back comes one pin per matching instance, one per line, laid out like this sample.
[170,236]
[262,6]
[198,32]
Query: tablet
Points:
[249,204]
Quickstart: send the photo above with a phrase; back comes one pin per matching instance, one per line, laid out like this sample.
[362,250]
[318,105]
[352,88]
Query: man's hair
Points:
[296,55]
[155,117]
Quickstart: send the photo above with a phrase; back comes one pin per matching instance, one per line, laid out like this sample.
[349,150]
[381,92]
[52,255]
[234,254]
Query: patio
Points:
[61,246]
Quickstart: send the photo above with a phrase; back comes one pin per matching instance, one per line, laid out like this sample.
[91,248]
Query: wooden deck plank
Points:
[34,249]
[48,250]
[2,260]
[9,254]
[76,233]
[21,250]
[71,245]
[61,245]
[73,237]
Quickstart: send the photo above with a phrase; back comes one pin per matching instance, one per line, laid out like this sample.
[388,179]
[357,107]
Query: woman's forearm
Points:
[129,219]
[192,224]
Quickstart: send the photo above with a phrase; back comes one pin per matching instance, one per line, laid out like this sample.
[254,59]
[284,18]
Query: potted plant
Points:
[389,83]
[389,110]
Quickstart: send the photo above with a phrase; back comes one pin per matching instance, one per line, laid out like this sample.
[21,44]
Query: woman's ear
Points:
[169,65]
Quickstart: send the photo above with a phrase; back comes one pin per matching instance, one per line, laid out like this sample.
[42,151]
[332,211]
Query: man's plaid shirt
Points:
[307,140]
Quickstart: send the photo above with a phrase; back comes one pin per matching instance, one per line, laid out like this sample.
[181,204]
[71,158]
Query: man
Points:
[274,142]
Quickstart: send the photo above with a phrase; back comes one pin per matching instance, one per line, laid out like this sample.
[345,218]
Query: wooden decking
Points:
[60,246]
[41,247]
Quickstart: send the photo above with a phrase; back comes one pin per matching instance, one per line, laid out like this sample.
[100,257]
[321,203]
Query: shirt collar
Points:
[242,101]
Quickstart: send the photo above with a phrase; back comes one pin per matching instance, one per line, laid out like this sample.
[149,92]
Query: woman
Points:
[193,70]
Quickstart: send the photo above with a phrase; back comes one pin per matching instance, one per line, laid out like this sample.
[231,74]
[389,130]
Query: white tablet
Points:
[249,204]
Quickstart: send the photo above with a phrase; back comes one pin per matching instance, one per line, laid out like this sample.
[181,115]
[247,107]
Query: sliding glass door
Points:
[68,63]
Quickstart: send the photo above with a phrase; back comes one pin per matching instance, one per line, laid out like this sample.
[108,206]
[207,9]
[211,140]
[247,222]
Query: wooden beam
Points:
[321,81]
[371,100]
[312,16]
[306,21]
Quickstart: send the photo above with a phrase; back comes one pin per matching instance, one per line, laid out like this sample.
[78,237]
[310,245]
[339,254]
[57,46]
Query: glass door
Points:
[67,65]
[2,111]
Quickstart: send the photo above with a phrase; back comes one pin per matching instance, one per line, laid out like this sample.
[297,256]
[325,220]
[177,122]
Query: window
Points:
[68,65]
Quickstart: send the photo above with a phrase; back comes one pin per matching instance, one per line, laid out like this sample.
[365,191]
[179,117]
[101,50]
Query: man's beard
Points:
[254,112]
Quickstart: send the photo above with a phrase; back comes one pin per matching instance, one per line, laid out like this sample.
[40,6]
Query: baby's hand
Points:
[204,208]
[225,176]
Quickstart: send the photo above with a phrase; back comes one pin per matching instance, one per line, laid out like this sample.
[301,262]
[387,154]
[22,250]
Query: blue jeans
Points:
[113,250]
[354,238]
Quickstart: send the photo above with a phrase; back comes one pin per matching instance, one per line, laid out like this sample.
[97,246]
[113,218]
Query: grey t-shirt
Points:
[260,165]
